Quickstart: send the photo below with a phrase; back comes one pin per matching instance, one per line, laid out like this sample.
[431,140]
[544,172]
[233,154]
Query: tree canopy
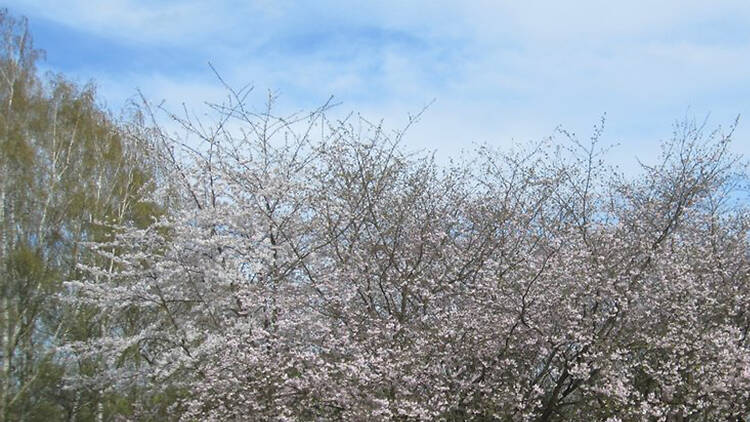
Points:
[67,165]
[315,270]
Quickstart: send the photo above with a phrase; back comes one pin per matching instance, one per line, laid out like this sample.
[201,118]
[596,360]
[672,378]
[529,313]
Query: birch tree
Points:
[65,166]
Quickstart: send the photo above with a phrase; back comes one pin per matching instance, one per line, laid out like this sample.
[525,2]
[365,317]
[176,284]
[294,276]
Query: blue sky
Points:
[499,71]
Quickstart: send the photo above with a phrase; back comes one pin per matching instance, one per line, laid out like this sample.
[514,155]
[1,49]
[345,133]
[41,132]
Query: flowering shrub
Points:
[336,277]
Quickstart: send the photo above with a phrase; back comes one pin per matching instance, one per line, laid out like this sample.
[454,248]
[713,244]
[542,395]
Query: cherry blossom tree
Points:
[315,270]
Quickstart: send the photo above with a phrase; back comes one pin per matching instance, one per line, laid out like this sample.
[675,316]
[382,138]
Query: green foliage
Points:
[66,166]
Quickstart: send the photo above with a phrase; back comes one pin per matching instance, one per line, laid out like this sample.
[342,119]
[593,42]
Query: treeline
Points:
[67,167]
[266,267]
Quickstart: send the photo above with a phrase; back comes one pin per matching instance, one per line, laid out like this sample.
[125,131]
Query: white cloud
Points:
[499,70]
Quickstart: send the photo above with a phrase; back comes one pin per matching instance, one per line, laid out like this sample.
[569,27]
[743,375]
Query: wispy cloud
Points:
[499,70]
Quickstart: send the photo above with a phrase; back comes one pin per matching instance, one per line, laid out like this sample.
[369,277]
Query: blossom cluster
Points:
[342,278]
